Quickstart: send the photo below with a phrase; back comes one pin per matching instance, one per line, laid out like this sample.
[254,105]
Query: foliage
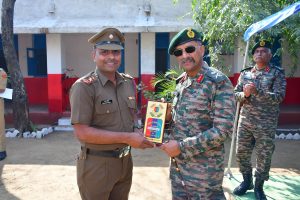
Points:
[223,21]
[164,84]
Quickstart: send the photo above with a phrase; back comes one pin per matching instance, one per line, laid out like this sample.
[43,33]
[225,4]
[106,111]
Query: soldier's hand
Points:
[169,110]
[247,90]
[253,89]
[171,148]
[2,90]
[139,131]
[137,140]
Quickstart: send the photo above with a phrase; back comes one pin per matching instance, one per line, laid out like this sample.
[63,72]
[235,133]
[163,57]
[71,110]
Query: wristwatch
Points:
[138,126]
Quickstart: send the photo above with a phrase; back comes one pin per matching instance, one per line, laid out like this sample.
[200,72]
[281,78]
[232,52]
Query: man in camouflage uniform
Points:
[260,89]
[103,107]
[3,81]
[202,119]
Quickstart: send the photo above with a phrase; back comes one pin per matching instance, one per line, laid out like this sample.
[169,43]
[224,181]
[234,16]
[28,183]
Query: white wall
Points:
[55,54]
[286,62]
[132,54]
[24,42]
[78,53]
[81,16]
[147,53]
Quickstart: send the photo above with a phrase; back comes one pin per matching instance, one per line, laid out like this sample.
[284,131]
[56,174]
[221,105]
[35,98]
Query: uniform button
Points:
[107,111]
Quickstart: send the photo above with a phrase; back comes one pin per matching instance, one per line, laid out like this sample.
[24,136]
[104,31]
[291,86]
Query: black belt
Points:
[118,153]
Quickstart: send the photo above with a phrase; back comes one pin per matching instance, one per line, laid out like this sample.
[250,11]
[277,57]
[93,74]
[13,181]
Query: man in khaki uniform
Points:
[3,81]
[103,107]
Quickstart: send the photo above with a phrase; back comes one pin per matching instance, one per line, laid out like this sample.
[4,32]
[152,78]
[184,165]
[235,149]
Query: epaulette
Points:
[89,79]
[215,75]
[126,76]
[183,75]
[247,68]
[278,68]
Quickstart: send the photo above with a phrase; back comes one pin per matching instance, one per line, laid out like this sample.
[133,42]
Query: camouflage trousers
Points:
[262,138]
[191,193]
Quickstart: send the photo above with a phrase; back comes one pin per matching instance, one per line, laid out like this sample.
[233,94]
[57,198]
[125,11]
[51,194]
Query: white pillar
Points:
[239,54]
[55,54]
[147,61]
[55,64]
[147,53]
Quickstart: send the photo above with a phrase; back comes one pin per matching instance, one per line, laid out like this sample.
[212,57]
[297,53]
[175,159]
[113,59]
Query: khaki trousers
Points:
[104,178]
[2,126]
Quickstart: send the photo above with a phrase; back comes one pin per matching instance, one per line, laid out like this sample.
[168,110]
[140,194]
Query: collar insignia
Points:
[267,69]
[200,78]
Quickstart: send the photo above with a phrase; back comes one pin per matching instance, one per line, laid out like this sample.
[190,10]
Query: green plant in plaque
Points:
[164,84]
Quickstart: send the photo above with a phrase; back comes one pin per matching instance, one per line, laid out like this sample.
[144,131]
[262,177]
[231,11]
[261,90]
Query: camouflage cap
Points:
[184,36]
[261,43]
[109,38]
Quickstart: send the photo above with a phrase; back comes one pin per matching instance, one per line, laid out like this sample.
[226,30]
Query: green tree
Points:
[223,21]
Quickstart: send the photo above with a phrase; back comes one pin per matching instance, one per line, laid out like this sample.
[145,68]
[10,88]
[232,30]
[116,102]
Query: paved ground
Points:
[45,169]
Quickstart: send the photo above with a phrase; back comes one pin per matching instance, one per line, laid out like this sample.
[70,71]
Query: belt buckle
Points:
[118,153]
[123,152]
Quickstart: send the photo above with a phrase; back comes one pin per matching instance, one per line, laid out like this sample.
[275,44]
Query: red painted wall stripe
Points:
[37,90]
[55,93]
[57,97]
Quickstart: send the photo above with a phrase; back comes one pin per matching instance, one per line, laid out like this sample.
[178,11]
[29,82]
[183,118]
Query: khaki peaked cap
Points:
[109,38]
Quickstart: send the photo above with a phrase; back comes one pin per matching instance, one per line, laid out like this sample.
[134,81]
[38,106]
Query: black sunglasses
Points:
[189,49]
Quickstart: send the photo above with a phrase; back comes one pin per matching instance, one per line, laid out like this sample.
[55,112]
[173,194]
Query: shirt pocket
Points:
[105,109]
[266,83]
[131,103]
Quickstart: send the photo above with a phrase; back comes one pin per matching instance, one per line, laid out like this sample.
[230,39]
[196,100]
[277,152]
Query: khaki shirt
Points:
[97,102]
[3,79]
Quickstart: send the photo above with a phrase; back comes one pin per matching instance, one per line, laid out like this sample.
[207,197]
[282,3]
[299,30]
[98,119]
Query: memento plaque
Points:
[155,121]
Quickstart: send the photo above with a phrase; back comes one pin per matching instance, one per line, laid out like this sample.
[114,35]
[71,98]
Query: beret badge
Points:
[262,43]
[190,33]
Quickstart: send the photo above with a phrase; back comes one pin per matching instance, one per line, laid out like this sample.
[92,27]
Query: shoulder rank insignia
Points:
[248,68]
[90,79]
[126,75]
[276,67]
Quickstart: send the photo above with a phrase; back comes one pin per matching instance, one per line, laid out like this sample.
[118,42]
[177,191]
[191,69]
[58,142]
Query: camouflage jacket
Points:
[264,106]
[203,113]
